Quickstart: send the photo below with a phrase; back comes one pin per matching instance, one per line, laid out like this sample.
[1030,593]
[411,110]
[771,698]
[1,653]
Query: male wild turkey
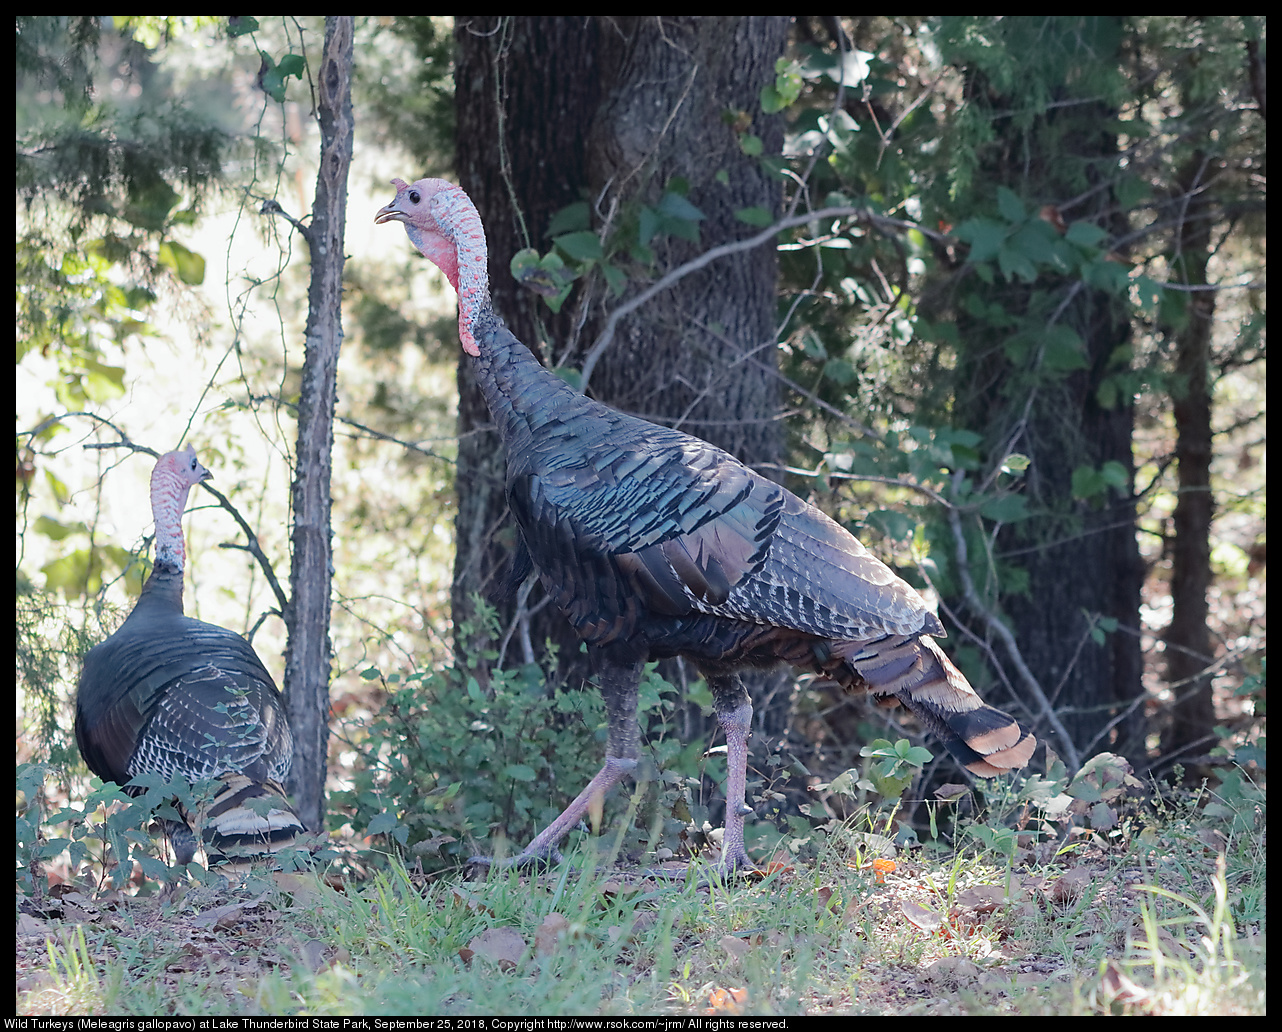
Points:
[168,695]
[656,544]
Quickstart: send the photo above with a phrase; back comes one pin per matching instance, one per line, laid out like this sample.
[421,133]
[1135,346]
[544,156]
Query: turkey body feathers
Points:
[654,543]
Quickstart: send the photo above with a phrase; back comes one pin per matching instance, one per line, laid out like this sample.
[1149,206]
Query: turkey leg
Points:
[619,688]
[734,714]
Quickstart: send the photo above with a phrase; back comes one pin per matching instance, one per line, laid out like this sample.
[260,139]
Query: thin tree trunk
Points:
[1188,639]
[307,658]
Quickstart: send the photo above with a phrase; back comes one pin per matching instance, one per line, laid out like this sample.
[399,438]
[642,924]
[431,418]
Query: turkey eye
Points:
[414,197]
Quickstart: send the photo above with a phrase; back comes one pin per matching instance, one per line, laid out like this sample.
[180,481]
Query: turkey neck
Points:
[522,395]
[163,592]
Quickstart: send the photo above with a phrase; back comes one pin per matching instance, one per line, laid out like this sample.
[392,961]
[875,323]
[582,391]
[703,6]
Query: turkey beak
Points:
[389,213]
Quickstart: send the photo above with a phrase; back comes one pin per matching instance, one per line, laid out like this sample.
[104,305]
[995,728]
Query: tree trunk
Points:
[307,657]
[1188,639]
[1080,557]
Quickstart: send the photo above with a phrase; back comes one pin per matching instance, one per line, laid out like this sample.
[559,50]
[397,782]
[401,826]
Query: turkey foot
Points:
[542,851]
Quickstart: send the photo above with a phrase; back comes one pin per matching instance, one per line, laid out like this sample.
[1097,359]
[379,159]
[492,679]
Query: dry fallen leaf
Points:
[827,898]
[28,925]
[1069,886]
[727,1001]
[227,916]
[734,946]
[948,969]
[1118,988]
[549,933]
[926,920]
[303,887]
[501,946]
[312,954]
[983,899]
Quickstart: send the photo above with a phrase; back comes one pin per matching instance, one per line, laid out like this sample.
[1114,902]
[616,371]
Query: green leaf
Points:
[546,276]
[1131,190]
[895,525]
[751,145]
[241,25]
[519,772]
[102,382]
[188,266]
[51,528]
[985,237]
[647,225]
[382,824]
[675,206]
[844,783]
[1036,241]
[570,219]
[271,76]
[1087,482]
[785,89]
[75,575]
[1015,265]
[1009,204]
[1114,474]
[758,216]
[615,278]
[1150,294]
[582,246]
[149,205]
[772,100]
[1008,508]
[1064,350]
[1016,463]
[839,371]
[573,377]
[1086,234]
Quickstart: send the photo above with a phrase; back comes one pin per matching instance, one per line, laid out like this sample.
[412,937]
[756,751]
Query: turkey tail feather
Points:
[915,671]
[248,820]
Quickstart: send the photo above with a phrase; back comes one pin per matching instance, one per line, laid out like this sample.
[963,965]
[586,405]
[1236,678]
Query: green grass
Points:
[1157,909]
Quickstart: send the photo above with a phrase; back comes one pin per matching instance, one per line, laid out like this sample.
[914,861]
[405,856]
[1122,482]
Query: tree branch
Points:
[1071,755]
[697,263]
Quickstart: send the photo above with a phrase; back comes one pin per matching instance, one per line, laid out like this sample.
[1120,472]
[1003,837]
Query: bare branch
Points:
[694,265]
[819,471]
[1065,743]
[272,207]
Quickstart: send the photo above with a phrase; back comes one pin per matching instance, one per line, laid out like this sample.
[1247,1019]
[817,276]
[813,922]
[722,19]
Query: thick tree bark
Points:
[307,658]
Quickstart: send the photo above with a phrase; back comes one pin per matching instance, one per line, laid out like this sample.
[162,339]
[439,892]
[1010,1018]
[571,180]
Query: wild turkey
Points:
[168,695]
[656,544]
